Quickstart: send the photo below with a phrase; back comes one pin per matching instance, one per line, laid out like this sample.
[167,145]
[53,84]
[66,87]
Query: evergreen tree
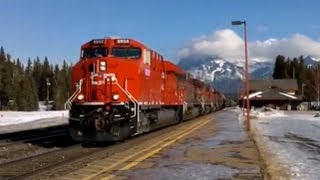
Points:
[19,66]
[280,68]
[295,68]
[29,67]
[312,83]
[63,82]
[36,74]
[2,63]
[45,80]
[6,83]
[33,96]
[22,87]
[21,97]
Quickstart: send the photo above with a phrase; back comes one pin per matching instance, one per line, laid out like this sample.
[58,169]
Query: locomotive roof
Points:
[169,66]
[113,39]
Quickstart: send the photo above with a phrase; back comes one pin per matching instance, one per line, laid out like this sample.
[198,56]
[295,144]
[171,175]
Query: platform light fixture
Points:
[237,23]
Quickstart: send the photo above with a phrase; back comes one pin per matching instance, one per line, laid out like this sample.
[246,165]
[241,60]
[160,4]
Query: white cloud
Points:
[216,44]
[228,44]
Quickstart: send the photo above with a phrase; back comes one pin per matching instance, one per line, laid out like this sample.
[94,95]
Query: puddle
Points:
[186,171]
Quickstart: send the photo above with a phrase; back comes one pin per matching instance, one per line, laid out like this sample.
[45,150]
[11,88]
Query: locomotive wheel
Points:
[145,122]
[115,129]
[179,115]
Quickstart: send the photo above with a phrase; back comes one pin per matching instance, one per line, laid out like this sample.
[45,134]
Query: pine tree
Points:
[33,96]
[6,83]
[22,87]
[280,68]
[21,97]
[45,80]
[29,67]
[36,74]
[63,82]
[2,63]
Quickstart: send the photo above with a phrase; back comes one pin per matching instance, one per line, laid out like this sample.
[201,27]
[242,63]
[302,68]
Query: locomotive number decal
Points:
[147,72]
[99,79]
[96,79]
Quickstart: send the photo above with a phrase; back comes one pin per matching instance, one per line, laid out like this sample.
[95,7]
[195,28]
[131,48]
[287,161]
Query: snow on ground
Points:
[16,117]
[14,121]
[289,142]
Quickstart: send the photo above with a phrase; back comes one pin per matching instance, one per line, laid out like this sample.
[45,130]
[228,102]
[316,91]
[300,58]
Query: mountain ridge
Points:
[226,76]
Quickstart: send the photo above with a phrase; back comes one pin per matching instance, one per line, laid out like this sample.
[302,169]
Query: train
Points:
[122,88]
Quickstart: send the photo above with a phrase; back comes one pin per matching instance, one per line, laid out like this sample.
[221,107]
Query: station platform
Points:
[217,147]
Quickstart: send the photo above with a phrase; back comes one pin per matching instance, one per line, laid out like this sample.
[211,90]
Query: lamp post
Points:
[318,88]
[237,23]
[48,85]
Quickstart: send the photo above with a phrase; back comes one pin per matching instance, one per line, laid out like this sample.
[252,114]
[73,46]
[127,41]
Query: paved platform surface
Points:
[219,150]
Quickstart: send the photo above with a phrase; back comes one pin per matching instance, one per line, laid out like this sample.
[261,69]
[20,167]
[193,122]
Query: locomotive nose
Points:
[99,95]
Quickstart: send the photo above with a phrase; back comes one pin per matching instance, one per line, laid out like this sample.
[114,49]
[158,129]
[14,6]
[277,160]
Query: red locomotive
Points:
[123,88]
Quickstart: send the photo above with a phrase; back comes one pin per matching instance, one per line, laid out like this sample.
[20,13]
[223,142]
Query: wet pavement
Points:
[219,150]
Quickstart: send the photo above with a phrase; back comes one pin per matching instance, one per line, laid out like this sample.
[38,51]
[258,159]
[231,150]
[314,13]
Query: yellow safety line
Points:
[132,164]
[137,161]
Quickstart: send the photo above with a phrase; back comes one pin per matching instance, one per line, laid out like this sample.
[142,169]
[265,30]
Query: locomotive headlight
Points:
[80,97]
[115,97]
[102,68]
[103,65]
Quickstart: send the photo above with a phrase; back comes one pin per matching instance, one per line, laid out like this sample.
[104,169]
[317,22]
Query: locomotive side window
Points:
[94,52]
[124,52]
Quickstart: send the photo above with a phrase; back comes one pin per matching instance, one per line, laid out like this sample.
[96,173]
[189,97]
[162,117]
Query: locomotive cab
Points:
[112,78]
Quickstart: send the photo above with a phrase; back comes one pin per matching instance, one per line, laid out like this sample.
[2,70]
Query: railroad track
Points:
[20,145]
[69,159]
[42,137]
[31,165]
[32,134]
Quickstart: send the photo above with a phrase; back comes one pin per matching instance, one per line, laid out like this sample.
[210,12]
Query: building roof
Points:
[272,94]
[287,85]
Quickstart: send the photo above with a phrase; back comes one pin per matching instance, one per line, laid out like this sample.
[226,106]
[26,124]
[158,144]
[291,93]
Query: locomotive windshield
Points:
[129,53]
[94,52]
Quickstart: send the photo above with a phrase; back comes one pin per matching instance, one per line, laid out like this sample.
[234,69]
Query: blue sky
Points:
[57,28]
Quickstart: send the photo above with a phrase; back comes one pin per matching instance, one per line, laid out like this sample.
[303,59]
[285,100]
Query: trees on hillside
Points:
[22,87]
[308,77]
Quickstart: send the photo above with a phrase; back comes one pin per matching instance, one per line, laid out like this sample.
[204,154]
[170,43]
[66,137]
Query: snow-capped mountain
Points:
[262,70]
[210,69]
[223,75]
[310,61]
[227,76]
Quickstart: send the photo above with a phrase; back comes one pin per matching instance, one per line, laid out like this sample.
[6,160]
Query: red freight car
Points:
[123,88]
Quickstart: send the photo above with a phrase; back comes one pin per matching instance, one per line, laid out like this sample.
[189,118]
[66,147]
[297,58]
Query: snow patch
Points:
[290,139]
[15,117]
[288,95]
